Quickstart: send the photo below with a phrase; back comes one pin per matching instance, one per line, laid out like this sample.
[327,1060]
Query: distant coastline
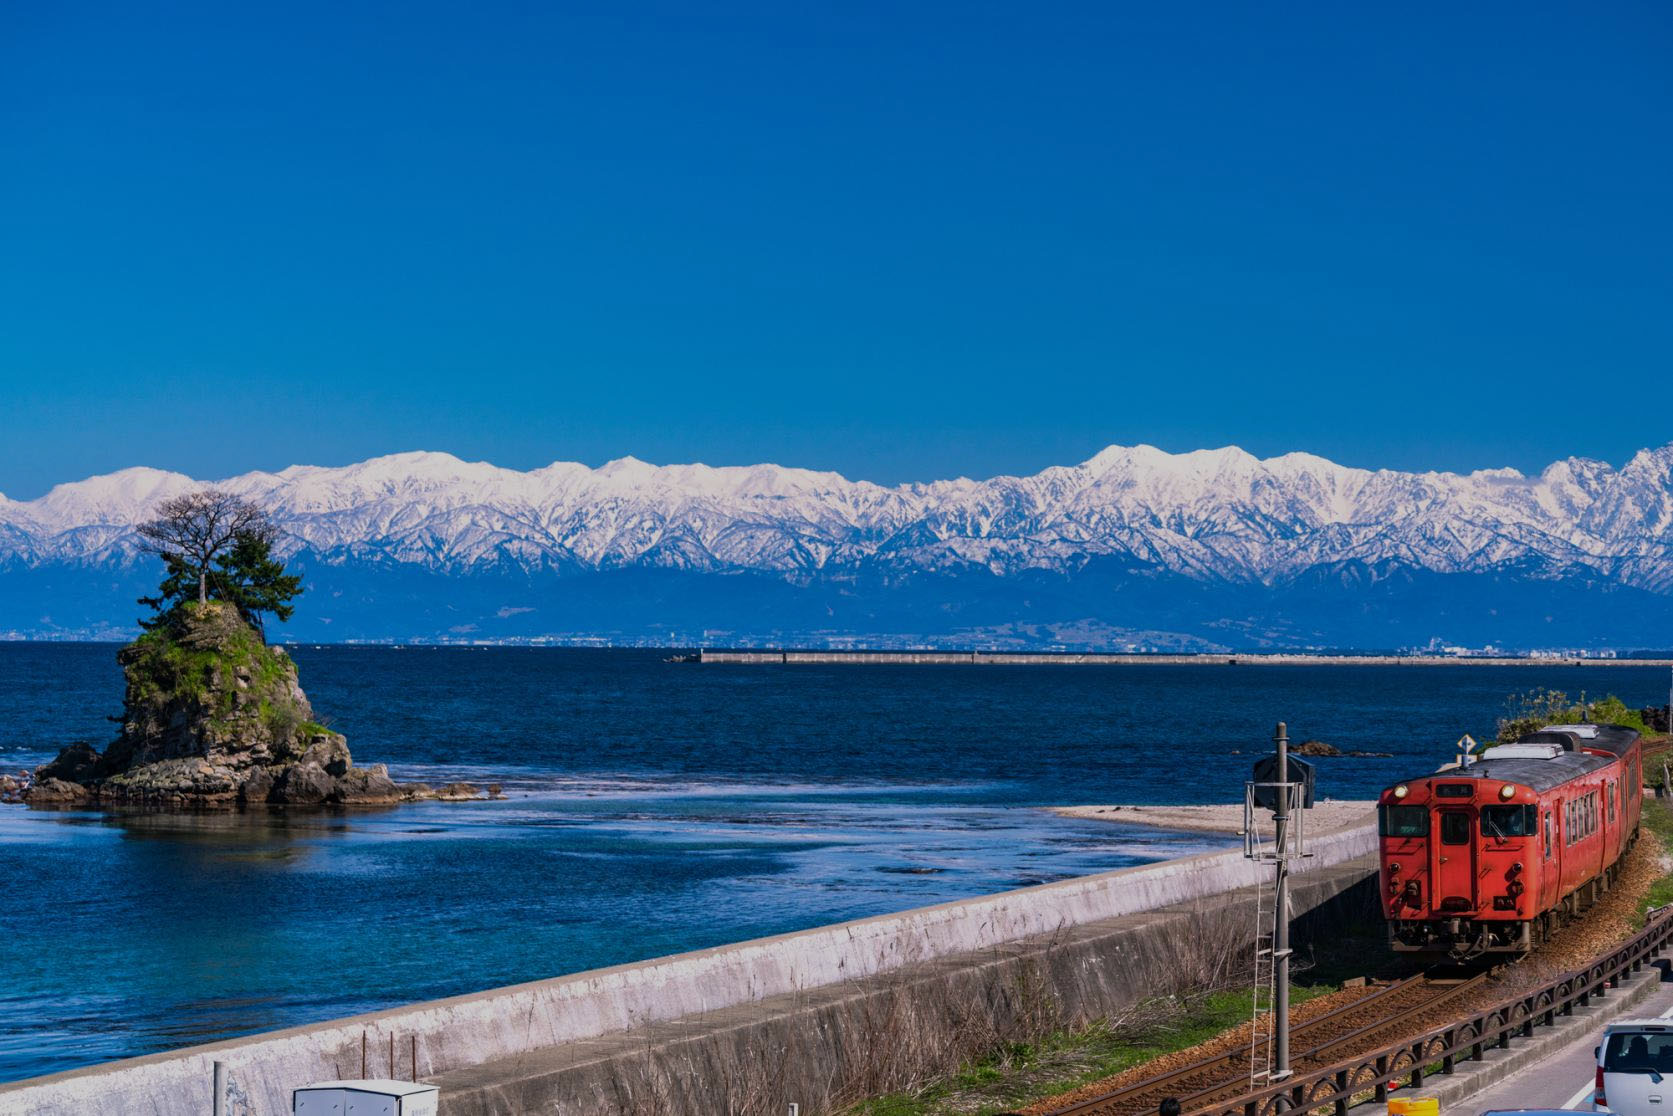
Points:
[1097,658]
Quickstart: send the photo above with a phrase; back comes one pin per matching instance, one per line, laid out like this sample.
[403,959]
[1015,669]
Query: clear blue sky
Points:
[897,240]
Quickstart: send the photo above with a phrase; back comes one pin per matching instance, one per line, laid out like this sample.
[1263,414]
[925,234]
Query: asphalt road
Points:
[1566,1079]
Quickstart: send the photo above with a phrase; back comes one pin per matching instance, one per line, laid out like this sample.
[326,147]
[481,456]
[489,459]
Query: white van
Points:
[1635,1067]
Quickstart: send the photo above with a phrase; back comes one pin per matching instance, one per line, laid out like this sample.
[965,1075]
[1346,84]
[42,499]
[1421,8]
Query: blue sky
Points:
[900,241]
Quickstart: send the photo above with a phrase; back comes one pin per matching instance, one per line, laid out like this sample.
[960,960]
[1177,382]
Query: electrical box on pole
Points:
[1267,780]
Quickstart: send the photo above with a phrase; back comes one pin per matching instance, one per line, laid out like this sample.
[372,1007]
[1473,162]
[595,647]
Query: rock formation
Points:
[214,717]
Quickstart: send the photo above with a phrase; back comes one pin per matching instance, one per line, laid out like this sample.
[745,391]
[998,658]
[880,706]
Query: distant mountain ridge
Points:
[1133,547]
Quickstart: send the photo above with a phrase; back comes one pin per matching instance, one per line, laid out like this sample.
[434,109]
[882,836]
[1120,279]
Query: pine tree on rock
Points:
[217,547]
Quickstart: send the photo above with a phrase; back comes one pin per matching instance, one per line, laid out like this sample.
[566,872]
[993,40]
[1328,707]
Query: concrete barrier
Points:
[467,1031]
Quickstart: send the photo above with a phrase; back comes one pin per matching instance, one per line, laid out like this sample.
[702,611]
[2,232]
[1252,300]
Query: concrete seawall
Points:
[506,1050]
[1053,658]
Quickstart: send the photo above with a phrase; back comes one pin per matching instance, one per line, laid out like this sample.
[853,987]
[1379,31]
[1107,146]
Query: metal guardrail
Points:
[1466,1039]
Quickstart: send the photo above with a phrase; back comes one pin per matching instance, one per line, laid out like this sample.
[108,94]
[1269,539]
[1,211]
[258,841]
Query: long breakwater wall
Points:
[794,1017]
[1099,658]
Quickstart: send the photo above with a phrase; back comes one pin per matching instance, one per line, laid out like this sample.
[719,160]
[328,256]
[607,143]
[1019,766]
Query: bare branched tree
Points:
[198,527]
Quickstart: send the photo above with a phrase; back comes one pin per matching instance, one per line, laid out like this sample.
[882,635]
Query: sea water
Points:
[651,807]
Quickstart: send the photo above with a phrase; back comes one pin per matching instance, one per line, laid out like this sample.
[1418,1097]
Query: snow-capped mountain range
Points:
[1212,522]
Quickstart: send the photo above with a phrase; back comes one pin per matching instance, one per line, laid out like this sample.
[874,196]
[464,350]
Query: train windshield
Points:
[1509,821]
[1405,821]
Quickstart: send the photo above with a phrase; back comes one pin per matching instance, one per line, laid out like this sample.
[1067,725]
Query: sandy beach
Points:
[1324,817]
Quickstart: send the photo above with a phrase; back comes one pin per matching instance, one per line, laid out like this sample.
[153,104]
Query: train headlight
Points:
[1507,792]
[1402,791]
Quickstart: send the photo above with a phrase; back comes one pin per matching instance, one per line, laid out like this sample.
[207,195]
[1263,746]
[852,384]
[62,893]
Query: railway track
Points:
[1377,1018]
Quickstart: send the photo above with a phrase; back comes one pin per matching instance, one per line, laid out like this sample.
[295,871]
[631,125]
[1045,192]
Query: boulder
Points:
[329,751]
[77,763]
[367,786]
[416,792]
[258,787]
[1315,748]
[55,792]
[302,784]
[457,792]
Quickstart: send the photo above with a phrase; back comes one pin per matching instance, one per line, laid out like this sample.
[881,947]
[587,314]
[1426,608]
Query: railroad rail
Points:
[1227,1074]
[1371,1073]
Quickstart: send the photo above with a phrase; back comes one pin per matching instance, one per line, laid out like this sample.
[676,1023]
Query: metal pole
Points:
[220,1107]
[1281,913]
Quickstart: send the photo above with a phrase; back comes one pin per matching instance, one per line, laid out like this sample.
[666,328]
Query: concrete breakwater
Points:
[556,1045]
[1099,658]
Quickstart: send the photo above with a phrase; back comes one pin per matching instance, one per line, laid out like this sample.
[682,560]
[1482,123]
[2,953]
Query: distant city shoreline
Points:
[1009,658]
[690,652]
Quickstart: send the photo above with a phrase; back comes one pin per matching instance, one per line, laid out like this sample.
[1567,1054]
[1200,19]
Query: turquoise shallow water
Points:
[653,808]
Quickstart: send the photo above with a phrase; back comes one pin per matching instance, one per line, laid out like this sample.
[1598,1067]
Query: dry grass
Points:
[919,1025]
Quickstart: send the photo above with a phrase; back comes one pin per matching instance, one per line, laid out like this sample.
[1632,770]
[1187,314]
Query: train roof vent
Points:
[1523,751]
[1584,732]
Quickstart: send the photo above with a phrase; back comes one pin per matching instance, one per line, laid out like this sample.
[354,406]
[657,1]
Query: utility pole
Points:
[1284,786]
[1281,912]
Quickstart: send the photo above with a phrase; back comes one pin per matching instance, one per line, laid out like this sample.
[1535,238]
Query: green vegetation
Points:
[198,657]
[1657,824]
[1537,708]
[1024,1073]
[246,576]
[161,664]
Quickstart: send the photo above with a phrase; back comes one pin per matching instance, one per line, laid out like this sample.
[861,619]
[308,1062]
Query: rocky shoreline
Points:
[213,718]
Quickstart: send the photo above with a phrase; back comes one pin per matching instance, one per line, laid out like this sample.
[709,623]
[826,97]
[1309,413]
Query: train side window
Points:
[1455,827]
[1548,835]
[1405,821]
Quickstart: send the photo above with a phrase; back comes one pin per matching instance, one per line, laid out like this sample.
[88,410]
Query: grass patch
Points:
[1005,1080]
[1025,1073]
[1657,824]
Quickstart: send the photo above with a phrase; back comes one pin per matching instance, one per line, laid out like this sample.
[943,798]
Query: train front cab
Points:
[1461,865]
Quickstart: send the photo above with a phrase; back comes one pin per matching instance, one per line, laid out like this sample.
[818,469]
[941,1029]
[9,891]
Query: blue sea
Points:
[652,807]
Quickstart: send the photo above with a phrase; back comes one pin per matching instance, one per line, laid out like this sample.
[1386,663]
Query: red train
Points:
[1494,856]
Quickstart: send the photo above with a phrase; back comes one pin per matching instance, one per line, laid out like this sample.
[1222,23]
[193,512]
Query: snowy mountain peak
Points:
[1215,516]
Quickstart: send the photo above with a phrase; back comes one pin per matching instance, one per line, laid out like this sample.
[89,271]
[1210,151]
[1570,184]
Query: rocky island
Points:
[212,716]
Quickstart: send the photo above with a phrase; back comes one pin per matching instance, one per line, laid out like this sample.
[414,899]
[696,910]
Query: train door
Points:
[1551,873]
[1455,880]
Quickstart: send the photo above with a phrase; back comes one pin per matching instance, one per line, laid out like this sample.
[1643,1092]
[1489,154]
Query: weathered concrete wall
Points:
[826,1048]
[527,1021]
